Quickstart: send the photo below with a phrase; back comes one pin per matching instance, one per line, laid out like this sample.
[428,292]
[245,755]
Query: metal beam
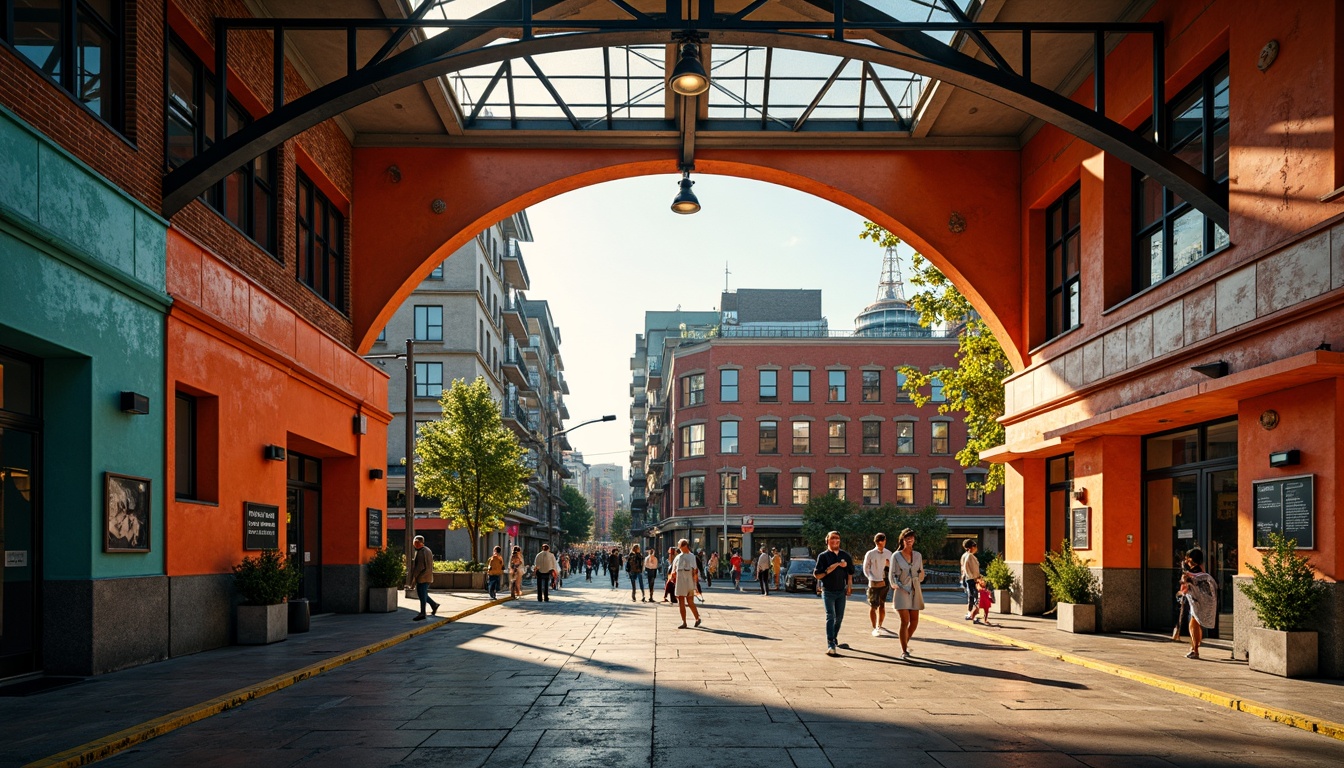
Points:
[550,88]
[798,124]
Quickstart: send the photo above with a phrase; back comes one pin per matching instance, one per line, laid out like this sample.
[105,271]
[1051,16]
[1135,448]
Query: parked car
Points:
[798,576]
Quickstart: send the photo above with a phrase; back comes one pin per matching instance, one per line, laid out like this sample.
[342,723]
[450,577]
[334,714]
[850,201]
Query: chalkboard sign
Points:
[1286,505]
[1082,528]
[261,526]
[375,528]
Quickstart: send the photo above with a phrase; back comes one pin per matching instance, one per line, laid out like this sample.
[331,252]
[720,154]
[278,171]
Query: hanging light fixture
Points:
[689,77]
[685,202]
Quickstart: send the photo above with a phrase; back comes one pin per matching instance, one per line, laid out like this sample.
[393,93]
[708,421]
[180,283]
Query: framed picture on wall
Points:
[126,517]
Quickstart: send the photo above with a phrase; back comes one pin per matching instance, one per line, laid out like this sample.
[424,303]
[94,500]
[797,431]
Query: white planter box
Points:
[383,600]
[1003,601]
[1286,654]
[1077,618]
[262,624]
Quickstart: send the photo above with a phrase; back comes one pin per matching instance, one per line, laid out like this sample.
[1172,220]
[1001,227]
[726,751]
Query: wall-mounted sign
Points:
[16,558]
[1080,531]
[1286,505]
[512,530]
[261,526]
[748,524]
[375,528]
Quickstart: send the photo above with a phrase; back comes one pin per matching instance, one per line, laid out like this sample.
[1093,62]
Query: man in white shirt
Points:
[544,566]
[763,571]
[876,563]
[687,576]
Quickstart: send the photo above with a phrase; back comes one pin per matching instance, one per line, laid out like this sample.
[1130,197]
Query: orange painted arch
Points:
[397,237]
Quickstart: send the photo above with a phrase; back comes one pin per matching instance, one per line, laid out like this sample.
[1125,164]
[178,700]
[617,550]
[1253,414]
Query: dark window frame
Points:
[805,489]
[429,334]
[905,444]
[773,397]
[736,438]
[837,393]
[689,489]
[1063,284]
[806,386]
[871,443]
[689,442]
[940,445]
[724,386]
[871,497]
[945,493]
[806,439]
[320,261]
[112,111]
[905,497]
[768,497]
[975,496]
[840,491]
[422,387]
[837,443]
[871,383]
[186,467]
[691,394]
[767,438]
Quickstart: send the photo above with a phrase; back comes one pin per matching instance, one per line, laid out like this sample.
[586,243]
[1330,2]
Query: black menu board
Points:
[1286,505]
[261,526]
[1081,537]
[375,528]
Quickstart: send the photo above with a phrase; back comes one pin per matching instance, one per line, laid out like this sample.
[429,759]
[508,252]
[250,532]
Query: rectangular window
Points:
[428,379]
[184,448]
[835,484]
[975,490]
[1062,256]
[437,273]
[905,489]
[936,394]
[802,489]
[429,323]
[905,437]
[835,386]
[728,485]
[728,437]
[769,386]
[1169,234]
[939,432]
[769,489]
[872,488]
[88,64]
[872,386]
[769,437]
[245,197]
[728,386]
[802,386]
[693,389]
[940,484]
[835,437]
[802,437]
[693,441]
[872,437]
[902,396]
[382,335]
[320,242]
[693,491]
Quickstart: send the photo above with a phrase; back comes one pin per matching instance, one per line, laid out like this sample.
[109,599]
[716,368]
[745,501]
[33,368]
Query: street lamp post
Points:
[409,356]
[550,471]
[723,501]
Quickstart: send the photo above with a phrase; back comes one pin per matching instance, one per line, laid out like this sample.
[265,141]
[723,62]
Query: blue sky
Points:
[603,255]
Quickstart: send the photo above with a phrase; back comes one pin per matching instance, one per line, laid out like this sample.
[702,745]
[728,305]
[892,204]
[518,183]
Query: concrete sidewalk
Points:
[45,723]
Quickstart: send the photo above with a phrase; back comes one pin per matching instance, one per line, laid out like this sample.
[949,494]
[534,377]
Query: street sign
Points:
[748,524]
[513,531]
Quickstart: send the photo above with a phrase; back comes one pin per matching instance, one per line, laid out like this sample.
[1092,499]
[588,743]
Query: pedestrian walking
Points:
[835,581]
[687,578]
[970,574]
[516,572]
[712,570]
[763,571]
[651,571]
[614,567]
[588,564]
[634,568]
[876,564]
[544,568]
[1183,605]
[736,562]
[907,572]
[1201,591]
[422,575]
[776,565]
[984,599]
[494,572]
[670,585]
[564,571]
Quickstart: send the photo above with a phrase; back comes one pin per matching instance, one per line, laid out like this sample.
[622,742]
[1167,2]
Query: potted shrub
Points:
[1074,588]
[263,582]
[1284,593]
[387,573]
[999,578]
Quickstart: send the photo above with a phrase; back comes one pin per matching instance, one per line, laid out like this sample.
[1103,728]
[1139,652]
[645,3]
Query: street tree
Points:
[471,462]
[974,386]
[576,520]
[857,525]
[620,526]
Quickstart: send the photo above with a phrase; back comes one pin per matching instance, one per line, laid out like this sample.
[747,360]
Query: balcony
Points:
[564,385]
[515,367]
[515,271]
[520,416]
[637,478]
[515,319]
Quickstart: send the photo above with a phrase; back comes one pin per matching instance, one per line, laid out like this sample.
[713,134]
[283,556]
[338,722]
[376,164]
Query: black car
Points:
[798,577]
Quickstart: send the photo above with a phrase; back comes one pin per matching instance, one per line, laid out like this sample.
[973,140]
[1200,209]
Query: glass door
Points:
[1173,529]
[1220,554]
[303,524]
[18,541]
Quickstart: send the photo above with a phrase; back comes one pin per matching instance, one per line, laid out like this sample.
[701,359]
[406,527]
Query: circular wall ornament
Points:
[438,206]
[1267,55]
[956,223]
[1269,419]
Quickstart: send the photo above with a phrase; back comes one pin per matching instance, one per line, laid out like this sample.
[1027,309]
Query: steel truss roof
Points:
[864,73]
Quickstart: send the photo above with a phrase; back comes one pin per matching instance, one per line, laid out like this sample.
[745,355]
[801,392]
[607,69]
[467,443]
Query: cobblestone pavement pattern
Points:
[595,680]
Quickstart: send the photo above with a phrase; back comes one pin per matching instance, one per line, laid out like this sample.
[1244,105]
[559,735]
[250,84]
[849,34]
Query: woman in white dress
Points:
[907,571]
[687,576]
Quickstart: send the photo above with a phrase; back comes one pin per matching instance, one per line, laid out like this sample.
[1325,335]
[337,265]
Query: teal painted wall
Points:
[82,277]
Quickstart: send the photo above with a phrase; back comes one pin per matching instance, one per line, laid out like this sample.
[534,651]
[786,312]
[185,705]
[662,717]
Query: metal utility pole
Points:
[550,472]
[410,459]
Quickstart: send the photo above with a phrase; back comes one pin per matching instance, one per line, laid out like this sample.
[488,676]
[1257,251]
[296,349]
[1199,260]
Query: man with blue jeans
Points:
[422,575]
[835,581]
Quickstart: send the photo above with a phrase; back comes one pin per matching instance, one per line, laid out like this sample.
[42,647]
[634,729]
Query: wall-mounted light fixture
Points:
[685,202]
[134,402]
[274,453]
[361,425]
[1215,370]
[375,474]
[1290,458]
[1080,495]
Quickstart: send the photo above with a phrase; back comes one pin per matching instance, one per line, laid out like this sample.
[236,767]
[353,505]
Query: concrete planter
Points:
[459,580]
[262,624]
[1003,601]
[478,580]
[1286,654]
[1077,618]
[382,600]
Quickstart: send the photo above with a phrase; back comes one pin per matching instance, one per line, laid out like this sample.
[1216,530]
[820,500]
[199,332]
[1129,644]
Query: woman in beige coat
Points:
[907,571]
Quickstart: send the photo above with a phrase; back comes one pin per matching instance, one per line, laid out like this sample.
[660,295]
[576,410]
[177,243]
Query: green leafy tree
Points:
[826,513]
[576,520]
[620,526]
[1283,590]
[858,525]
[471,462]
[974,387]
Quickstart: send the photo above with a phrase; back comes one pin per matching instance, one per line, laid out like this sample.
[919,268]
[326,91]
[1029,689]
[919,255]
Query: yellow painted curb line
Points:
[1265,711]
[105,747]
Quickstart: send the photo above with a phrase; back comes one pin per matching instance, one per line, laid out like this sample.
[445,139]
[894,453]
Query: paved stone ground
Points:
[593,679]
